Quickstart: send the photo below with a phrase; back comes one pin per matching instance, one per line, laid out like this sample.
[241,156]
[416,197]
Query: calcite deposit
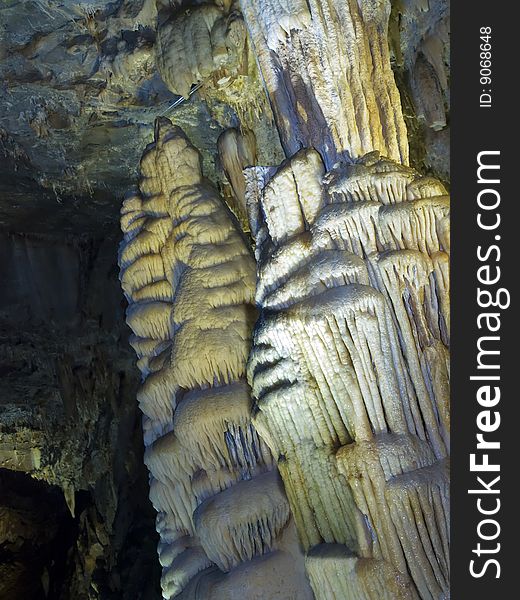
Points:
[349,357]
[189,277]
[350,370]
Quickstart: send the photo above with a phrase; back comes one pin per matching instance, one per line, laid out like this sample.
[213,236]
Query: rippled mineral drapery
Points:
[326,361]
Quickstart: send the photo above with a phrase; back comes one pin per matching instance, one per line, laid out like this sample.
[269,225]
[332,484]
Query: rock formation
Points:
[189,277]
[349,360]
[349,369]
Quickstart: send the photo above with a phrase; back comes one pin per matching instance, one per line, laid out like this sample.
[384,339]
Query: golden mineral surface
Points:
[318,347]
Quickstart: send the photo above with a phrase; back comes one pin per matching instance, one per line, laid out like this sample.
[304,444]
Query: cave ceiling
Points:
[80,91]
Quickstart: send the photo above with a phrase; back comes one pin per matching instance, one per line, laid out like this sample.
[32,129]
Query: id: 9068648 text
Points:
[485,67]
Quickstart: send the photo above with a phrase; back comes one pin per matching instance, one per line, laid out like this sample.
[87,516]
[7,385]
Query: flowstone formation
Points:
[326,361]
[189,276]
[205,44]
[349,369]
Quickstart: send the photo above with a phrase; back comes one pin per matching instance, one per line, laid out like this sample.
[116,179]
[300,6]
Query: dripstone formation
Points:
[189,276]
[292,332]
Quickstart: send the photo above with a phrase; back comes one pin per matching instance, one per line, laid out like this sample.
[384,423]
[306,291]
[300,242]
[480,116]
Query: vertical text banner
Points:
[485,239]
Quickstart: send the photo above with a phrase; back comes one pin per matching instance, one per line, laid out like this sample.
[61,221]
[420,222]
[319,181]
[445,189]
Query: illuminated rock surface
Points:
[189,277]
[350,372]
[349,361]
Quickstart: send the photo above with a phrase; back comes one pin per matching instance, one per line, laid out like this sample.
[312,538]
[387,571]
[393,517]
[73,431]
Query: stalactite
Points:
[237,150]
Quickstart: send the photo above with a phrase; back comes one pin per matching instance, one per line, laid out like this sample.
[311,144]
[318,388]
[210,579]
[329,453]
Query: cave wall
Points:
[81,525]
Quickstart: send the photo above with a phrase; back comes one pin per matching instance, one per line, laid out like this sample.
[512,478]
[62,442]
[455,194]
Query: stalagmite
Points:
[350,370]
[189,279]
[343,322]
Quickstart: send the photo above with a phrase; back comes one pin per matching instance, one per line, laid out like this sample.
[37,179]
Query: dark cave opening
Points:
[37,537]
